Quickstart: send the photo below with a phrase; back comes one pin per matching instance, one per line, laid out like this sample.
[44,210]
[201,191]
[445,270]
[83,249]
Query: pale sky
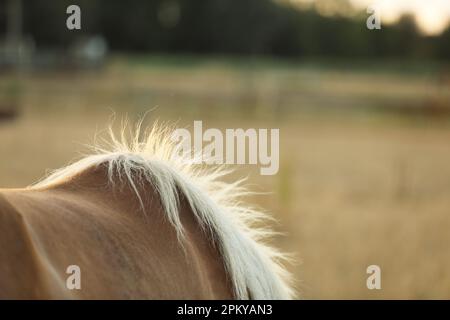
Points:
[432,16]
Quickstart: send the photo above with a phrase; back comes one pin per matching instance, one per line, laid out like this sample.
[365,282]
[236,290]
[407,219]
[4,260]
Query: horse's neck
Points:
[67,218]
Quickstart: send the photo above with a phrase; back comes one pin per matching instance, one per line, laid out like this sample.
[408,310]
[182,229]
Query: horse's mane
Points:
[253,267]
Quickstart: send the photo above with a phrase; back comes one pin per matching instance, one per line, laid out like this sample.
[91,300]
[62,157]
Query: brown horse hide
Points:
[123,252]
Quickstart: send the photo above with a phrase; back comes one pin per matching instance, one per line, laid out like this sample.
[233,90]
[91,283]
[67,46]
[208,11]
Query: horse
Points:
[138,223]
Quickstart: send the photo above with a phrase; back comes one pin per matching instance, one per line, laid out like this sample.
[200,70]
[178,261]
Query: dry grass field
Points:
[359,184]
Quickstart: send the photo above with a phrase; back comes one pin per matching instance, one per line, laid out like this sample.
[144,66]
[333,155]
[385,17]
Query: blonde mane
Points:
[253,267]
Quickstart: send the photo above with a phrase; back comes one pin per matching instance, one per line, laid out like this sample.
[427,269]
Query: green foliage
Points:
[242,27]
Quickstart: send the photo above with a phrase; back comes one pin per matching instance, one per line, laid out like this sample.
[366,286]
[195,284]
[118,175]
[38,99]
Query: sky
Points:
[432,16]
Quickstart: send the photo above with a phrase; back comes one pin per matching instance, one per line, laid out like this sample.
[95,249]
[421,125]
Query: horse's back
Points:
[122,252]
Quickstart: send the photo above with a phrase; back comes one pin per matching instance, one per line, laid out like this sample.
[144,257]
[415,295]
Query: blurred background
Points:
[364,115]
